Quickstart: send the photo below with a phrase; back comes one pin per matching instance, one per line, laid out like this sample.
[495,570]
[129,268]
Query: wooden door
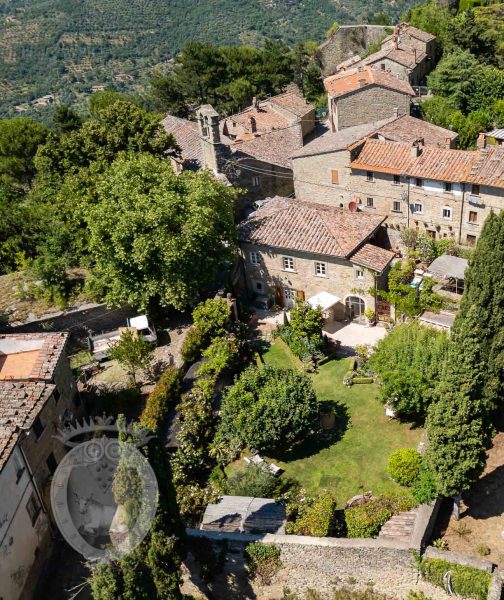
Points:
[279,297]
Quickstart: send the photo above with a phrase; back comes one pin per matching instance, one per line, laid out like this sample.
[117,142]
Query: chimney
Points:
[448,142]
[415,55]
[395,42]
[416,148]
[255,102]
[481,142]
[362,83]
[253,124]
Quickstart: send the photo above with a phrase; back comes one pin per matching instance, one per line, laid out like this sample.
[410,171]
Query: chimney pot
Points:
[481,143]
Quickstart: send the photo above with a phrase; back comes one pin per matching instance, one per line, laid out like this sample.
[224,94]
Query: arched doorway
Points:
[355,307]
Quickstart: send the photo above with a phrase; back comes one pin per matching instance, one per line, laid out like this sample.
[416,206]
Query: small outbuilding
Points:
[449,271]
[244,514]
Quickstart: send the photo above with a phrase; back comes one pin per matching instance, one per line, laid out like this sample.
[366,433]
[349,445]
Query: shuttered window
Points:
[335,176]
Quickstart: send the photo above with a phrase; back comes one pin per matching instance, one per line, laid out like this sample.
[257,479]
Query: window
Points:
[382,66]
[359,274]
[18,468]
[320,269]
[370,202]
[258,286]
[38,428]
[473,216]
[288,263]
[417,207]
[255,258]
[256,181]
[33,507]
[475,189]
[369,176]
[397,179]
[51,463]
[56,395]
[419,182]
[396,206]
[471,240]
[335,176]
[447,186]
[446,212]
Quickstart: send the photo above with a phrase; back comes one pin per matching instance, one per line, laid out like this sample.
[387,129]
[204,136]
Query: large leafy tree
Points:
[464,31]
[156,236]
[270,409]
[118,127]
[473,379]
[408,362]
[19,140]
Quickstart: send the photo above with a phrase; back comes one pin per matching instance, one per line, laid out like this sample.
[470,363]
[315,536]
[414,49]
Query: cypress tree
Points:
[472,382]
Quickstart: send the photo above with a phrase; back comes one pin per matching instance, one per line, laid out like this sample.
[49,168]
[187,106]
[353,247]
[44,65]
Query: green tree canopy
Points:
[465,32]
[133,352]
[102,100]
[156,236]
[456,77]
[19,141]
[270,409]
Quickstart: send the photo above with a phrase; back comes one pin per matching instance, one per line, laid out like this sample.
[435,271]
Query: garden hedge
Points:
[404,466]
[465,581]
[162,399]
[318,520]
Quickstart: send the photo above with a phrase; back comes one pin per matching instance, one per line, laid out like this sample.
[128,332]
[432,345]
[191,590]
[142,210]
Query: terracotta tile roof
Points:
[20,403]
[332,141]
[373,257]
[384,157]
[276,147]
[419,34]
[352,80]
[442,164]
[293,102]
[30,356]
[403,55]
[409,129]
[308,227]
[187,137]
[266,119]
[488,169]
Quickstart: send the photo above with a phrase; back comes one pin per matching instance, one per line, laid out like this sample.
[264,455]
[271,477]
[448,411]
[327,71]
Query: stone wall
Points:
[369,104]
[346,42]
[313,563]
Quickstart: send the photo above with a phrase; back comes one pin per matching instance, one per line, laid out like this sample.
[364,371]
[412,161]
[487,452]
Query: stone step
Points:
[399,527]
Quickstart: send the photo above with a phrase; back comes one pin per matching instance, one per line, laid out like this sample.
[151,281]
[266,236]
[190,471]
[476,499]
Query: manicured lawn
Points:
[354,459]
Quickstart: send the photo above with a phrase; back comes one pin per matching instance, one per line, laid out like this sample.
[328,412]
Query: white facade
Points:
[23,526]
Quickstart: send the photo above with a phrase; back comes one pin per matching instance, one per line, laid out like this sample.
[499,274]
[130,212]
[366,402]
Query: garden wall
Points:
[321,564]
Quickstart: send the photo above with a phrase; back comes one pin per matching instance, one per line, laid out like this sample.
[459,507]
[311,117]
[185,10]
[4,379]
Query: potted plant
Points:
[370,317]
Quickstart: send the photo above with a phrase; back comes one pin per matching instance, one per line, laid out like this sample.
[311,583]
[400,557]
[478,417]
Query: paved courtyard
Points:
[351,334]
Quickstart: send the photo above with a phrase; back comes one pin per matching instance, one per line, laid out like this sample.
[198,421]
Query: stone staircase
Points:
[400,527]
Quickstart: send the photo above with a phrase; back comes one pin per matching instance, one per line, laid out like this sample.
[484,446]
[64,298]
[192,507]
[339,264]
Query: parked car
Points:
[99,345]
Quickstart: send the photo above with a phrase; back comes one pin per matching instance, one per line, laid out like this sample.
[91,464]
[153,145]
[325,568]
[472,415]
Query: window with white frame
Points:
[359,273]
[396,206]
[320,269]
[255,258]
[417,207]
[446,212]
[370,202]
[287,263]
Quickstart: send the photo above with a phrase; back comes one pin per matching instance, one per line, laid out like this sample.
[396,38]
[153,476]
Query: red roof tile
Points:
[373,257]
[409,129]
[442,164]
[383,156]
[352,80]
[308,227]
[488,169]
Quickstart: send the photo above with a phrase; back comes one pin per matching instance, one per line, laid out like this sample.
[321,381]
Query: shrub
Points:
[356,380]
[220,355]
[254,480]
[162,399]
[424,489]
[483,550]
[212,316]
[404,465]
[366,520]
[306,321]
[192,345]
[465,581]
[317,519]
[264,561]
[270,409]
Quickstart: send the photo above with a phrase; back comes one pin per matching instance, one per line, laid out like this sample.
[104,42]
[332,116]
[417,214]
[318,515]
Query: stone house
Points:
[321,167]
[443,192]
[37,394]
[252,149]
[294,249]
[365,95]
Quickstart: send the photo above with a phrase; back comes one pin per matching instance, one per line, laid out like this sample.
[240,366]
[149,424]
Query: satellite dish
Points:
[352,207]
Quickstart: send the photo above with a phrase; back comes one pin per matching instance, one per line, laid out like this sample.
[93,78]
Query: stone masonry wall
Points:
[369,104]
[346,42]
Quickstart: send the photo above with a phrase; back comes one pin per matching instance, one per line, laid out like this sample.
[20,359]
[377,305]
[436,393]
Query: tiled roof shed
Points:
[308,227]
[350,81]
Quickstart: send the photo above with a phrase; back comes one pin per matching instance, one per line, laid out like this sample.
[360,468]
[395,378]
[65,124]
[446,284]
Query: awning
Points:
[324,300]
[446,266]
